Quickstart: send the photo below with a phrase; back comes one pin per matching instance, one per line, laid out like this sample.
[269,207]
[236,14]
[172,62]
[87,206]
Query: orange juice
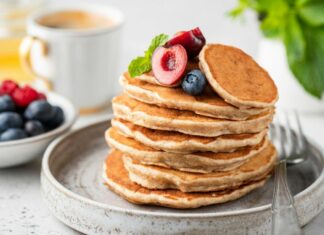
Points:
[10,66]
[12,29]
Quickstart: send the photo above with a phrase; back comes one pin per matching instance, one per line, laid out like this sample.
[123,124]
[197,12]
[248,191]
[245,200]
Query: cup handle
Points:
[25,57]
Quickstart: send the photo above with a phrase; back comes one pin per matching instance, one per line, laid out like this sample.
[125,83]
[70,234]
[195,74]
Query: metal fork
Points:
[292,149]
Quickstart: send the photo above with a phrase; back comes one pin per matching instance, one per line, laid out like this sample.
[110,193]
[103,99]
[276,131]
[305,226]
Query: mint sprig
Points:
[299,24]
[142,64]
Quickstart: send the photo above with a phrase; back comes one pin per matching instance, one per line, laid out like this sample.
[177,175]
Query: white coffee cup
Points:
[80,64]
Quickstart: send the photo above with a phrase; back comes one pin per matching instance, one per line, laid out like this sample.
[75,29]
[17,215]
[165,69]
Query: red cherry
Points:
[169,64]
[8,87]
[24,96]
[192,40]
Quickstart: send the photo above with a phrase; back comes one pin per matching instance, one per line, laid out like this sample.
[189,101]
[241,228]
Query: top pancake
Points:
[207,104]
[236,77]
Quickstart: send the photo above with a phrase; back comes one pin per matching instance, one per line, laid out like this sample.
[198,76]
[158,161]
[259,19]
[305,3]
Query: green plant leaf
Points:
[271,5]
[309,71]
[239,9]
[313,14]
[294,39]
[139,66]
[273,26]
[276,12]
[300,3]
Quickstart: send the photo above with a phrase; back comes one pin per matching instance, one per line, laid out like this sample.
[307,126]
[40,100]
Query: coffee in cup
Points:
[75,19]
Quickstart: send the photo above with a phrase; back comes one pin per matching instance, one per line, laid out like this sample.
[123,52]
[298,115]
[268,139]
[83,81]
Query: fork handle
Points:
[284,216]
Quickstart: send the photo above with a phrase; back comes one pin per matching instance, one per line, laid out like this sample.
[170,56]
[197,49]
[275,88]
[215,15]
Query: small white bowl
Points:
[17,152]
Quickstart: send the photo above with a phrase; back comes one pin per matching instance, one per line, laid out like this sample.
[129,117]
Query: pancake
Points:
[202,162]
[236,77]
[155,177]
[187,122]
[207,104]
[177,142]
[117,179]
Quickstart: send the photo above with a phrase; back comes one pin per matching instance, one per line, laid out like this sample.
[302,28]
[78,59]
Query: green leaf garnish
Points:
[142,64]
[157,41]
[138,66]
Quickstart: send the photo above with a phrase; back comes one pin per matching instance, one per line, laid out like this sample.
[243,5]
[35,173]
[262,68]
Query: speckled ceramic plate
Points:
[74,191]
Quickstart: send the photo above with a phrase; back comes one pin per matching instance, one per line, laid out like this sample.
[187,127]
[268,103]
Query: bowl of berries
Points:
[29,121]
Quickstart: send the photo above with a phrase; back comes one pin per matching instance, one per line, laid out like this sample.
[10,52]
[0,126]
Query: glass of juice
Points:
[13,15]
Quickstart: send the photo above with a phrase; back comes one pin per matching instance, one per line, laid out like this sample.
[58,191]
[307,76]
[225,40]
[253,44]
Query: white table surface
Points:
[23,212]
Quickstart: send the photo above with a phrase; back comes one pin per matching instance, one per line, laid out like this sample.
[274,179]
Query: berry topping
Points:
[6,104]
[169,64]
[34,128]
[41,96]
[25,112]
[24,96]
[13,134]
[10,120]
[57,118]
[39,110]
[8,87]
[194,82]
[192,40]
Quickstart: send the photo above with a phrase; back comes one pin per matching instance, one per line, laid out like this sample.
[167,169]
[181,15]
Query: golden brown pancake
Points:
[207,104]
[187,122]
[155,177]
[236,77]
[202,162]
[177,142]
[117,179]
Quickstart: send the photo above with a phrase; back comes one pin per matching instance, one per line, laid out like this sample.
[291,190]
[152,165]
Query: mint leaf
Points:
[142,64]
[139,66]
[309,71]
[157,41]
[294,39]
[313,14]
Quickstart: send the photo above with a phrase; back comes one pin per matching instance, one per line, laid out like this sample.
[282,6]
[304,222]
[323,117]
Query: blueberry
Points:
[39,110]
[10,120]
[194,82]
[57,118]
[6,104]
[34,128]
[13,134]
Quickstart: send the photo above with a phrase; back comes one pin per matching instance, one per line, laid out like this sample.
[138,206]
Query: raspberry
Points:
[8,87]
[24,96]
[41,96]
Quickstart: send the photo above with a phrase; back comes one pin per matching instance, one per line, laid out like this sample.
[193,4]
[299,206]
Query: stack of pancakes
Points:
[177,150]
